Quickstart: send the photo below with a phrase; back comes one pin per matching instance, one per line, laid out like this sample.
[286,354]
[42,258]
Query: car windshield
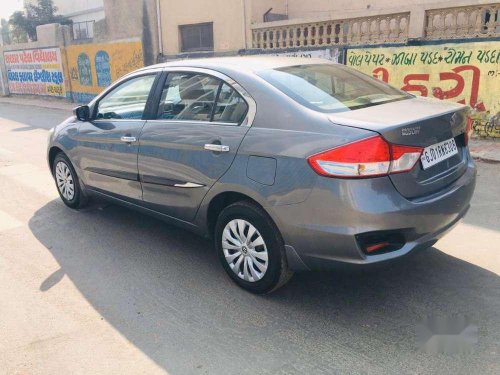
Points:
[331,87]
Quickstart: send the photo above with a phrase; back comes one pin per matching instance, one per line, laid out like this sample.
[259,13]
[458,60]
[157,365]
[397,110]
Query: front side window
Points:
[127,101]
[198,37]
[331,87]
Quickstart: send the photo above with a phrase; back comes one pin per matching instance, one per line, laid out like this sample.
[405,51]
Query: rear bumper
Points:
[322,230]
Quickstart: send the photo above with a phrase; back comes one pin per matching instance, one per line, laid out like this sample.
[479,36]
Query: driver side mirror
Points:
[82,113]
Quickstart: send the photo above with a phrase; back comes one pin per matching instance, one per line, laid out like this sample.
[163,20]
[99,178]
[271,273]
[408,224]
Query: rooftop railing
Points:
[390,28]
[463,22]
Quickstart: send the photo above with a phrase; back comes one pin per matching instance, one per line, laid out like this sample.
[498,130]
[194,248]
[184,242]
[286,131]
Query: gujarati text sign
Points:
[35,72]
[467,73]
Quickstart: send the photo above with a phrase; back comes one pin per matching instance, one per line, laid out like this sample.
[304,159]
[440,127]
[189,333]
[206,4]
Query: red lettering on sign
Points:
[455,91]
[384,74]
[476,73]
[412,87]
[410,84]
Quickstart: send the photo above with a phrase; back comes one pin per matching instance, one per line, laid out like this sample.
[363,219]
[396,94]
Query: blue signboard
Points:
[84,70]
[102,68]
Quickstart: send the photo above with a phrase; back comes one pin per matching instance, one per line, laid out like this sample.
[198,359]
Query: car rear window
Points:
[331,87]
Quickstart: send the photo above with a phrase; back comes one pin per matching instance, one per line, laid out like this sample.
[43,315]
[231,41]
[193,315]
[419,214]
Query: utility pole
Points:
[2,83]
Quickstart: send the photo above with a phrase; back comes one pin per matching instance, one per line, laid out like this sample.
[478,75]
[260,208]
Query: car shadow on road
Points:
[163,289]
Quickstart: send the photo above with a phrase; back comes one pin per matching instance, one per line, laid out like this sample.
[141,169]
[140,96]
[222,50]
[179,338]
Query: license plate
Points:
[438,152]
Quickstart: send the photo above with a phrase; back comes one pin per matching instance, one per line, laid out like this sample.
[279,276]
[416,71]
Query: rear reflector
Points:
[375,247]
[368,157]
[379,242]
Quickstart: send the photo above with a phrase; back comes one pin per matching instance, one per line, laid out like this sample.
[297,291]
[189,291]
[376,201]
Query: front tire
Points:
[250,248]
[67,182]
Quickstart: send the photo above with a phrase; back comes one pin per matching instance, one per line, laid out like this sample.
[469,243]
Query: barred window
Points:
[197,37]
[83,30]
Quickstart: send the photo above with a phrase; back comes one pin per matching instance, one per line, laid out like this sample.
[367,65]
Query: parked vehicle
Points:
[288,164]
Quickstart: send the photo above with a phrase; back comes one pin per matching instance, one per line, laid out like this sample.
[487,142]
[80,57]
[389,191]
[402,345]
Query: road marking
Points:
[8,222]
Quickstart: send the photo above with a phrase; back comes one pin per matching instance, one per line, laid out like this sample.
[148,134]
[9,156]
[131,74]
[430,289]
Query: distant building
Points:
[219,27]
[83,13]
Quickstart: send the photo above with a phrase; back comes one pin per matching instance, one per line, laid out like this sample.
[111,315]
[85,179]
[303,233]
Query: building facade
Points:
[443,49]
[221,27]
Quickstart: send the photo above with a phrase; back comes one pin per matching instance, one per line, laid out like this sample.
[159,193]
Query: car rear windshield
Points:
[331,87]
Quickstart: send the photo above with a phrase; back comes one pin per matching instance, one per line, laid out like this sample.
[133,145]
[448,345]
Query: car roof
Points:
[242,63]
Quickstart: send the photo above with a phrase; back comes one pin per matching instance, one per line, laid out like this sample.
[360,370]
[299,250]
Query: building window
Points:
[198,37]
[83,30]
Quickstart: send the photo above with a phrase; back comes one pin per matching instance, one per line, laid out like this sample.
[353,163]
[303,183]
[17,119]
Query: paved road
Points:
[32,117]
[110,291]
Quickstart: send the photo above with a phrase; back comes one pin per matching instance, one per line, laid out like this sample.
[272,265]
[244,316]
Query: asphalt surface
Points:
[106,290]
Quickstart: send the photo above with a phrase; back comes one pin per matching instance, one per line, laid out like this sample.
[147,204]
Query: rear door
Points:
[108,144]
[200,123]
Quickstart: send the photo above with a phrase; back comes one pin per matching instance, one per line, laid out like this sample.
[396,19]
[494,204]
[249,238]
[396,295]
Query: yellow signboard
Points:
[92,67]
[468,73]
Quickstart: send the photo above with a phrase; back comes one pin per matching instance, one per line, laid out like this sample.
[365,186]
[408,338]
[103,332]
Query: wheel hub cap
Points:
[245,250]
[64,181]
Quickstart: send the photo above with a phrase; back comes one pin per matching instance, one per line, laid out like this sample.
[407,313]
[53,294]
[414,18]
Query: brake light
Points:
[368,157]
[469,129]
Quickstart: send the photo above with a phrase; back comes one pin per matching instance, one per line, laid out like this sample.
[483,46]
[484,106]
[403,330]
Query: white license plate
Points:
[438,152]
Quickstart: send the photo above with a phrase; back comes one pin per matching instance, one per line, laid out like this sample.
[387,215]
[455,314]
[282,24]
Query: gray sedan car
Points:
[288,164]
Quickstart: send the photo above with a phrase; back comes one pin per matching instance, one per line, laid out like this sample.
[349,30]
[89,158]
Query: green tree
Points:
[4,29]
[44,12]
[20,27]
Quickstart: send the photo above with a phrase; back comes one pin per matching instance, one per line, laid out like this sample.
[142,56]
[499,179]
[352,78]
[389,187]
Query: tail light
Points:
[468,130]
[368,157]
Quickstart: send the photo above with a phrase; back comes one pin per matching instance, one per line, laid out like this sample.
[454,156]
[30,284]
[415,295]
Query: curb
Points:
[48,104]
[484,159]
[486,150]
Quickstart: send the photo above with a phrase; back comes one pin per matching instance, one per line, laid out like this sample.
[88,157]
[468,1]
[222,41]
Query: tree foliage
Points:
[42,13]
[4,29]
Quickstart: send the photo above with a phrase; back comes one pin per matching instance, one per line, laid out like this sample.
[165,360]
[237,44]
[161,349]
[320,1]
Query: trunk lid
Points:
[416,122]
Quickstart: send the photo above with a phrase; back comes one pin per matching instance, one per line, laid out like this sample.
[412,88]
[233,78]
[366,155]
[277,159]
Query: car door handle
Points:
[216,148]
[128,139]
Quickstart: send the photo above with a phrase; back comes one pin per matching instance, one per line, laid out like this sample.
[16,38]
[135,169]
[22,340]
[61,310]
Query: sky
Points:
[7,7]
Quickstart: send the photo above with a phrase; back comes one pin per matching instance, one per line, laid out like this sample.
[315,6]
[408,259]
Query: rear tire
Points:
[250,248]
[67,182]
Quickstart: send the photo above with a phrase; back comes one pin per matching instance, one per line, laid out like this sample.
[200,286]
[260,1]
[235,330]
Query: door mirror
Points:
[82,113]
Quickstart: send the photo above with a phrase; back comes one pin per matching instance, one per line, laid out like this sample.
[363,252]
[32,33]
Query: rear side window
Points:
[230,106]
[331,87]
[188,96]
[199,97]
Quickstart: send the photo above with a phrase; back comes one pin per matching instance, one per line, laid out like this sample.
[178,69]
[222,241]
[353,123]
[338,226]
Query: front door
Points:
[108,145]
[192,142]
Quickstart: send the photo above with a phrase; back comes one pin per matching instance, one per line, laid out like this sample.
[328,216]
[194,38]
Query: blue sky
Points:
[7,7]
